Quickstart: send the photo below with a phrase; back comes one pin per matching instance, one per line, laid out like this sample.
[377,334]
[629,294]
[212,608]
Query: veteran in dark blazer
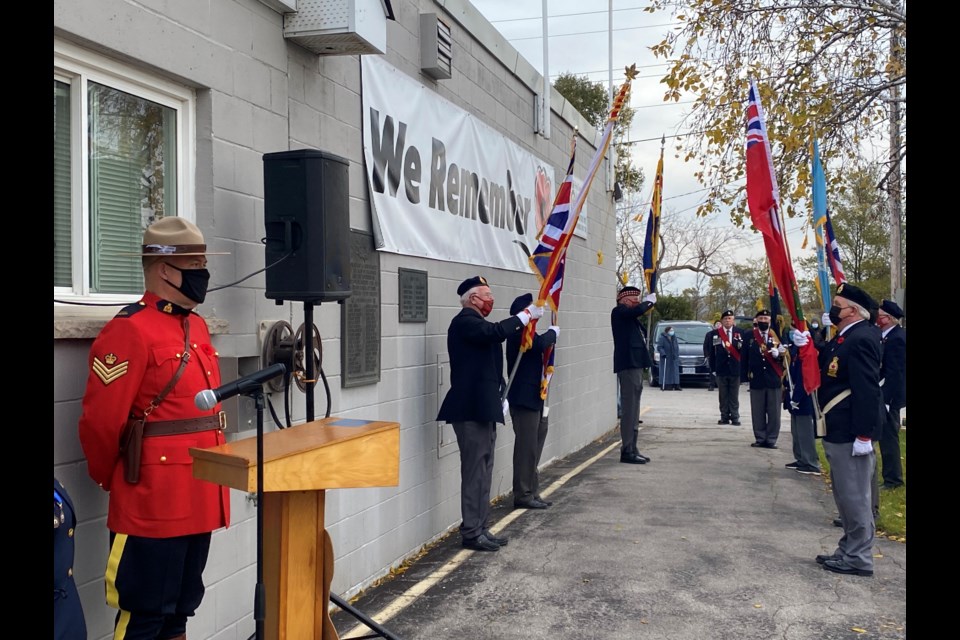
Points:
[475,404]
[630,358]
[68,620]
[526,410]
[851,399]
[724,349]
[893,372]
[764,368]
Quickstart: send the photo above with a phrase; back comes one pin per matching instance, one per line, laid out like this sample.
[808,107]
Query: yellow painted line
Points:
[407,598]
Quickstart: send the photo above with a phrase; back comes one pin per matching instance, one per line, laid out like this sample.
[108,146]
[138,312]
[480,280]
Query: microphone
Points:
[208,398]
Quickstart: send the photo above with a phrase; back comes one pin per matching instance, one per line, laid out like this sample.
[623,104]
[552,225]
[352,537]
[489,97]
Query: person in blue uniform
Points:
[475,403]
[526,410]
[68,620]
[669,349]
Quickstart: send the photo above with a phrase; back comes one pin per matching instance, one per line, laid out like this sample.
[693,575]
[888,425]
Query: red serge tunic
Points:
[132,359]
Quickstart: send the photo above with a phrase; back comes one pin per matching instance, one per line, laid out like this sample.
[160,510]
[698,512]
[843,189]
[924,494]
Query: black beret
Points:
[521,303]
[470,283]
[627,291]
[726,313]
[856,294]
[891,308]
[762,312]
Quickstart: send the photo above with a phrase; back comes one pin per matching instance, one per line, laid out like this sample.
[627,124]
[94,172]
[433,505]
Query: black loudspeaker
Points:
[306,214]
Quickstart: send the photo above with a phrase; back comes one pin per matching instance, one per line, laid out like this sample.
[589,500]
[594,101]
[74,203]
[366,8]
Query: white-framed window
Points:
[123,150]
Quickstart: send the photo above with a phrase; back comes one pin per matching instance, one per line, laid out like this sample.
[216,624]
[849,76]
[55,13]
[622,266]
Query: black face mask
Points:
[835,314]
[763,326]
[193,283]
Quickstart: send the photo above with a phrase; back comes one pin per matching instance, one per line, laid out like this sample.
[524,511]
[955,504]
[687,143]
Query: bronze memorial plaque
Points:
[360,315]
[413,295]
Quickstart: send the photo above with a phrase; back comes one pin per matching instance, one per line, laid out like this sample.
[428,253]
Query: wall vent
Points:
[436,47]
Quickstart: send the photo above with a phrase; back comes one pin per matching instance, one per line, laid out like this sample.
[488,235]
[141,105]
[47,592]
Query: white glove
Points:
[555,329]
[825,320]
[535,312]
[801,338]
[862,447]
[651,298]
[775,353]
[506,408]
[887,407]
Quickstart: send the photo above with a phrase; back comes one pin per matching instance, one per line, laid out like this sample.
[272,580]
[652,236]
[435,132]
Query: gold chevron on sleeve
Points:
[109,372]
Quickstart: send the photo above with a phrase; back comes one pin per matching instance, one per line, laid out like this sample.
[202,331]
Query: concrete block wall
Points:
[258,93]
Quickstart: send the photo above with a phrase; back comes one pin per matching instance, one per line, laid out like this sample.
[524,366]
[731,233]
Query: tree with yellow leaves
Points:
[834,70]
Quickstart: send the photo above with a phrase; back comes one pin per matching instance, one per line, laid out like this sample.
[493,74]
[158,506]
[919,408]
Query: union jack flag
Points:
[549,258]
[833,252]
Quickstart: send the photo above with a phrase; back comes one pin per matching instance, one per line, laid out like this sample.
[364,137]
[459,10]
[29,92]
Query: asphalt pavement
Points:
[713,539]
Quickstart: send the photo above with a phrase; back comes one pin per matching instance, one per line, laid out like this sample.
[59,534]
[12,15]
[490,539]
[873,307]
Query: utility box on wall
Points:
[338,27]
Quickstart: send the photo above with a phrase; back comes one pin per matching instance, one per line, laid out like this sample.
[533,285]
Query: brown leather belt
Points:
[190,425]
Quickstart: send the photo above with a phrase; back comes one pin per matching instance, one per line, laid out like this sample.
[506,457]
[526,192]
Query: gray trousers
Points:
[804,440]
[477,442]
[529,432]
[729,393]
[765,408]
[631,386]
[852,477]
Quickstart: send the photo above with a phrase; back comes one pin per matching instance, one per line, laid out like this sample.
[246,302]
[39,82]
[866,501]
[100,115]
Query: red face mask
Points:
[486,306]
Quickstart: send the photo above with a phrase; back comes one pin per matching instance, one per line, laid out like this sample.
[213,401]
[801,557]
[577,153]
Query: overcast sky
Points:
[579,44]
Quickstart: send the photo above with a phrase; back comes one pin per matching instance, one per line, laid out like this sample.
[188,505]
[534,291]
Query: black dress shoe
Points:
[722,421]
[533,504]
[839,566]
[480,543]
[632,458]
[825,557]
[735,423]
[640,455]
[495,540]
[756,444]
[639,421]
[549,503]
[886,486]
[769,446]
[837,522]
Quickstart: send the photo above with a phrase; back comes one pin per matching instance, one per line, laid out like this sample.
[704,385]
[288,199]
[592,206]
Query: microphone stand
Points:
[259,598]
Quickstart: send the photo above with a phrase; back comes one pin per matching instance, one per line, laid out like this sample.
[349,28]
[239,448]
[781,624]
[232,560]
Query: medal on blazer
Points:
[833,367]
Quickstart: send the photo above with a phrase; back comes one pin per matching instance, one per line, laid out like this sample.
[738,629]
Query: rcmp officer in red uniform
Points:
[146,367]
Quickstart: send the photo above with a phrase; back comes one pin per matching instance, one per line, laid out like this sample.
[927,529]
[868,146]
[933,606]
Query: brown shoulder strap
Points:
[183,365]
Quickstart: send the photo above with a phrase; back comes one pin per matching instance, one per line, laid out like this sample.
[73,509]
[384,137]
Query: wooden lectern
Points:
[299,464]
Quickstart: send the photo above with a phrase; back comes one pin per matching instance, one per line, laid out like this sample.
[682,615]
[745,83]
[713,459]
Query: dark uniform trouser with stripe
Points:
[156,583]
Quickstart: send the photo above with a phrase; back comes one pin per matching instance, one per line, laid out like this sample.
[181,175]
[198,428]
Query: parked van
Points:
[693,364]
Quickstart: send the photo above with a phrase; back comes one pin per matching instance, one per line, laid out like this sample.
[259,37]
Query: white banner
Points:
[445,185]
